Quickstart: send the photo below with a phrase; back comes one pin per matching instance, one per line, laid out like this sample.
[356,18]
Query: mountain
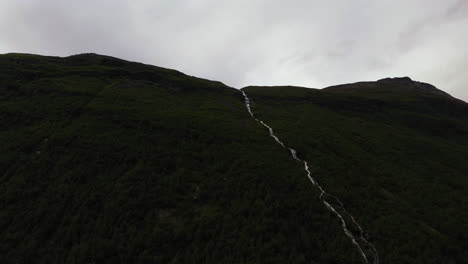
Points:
[108,161]
[394,150]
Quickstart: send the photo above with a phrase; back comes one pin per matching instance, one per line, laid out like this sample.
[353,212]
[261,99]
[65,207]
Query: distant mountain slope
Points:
[393,150]
[402,87]
[108,161]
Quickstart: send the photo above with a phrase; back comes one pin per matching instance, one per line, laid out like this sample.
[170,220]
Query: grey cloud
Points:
[457,11]
[298,42]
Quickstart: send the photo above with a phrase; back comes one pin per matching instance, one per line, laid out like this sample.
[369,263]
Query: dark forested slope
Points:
[108,161]
[394,150]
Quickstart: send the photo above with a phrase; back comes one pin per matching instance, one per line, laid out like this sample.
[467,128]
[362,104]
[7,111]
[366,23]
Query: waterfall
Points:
[365,248]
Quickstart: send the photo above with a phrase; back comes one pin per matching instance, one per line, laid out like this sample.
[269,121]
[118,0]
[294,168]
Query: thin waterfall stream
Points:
[348,223]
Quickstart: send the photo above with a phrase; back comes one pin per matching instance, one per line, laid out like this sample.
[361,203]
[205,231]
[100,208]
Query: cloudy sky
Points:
[313,43]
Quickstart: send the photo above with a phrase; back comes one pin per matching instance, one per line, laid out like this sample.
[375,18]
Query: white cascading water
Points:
[366,249]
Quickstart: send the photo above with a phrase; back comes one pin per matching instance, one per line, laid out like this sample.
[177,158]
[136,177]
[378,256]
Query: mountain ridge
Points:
[95,58]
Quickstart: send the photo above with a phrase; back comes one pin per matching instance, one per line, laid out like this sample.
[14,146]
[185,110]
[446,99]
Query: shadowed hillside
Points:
[394,150]
[108,161]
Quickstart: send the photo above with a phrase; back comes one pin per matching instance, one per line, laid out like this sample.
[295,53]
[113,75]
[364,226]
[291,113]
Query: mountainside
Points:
[105,160]
[394,150]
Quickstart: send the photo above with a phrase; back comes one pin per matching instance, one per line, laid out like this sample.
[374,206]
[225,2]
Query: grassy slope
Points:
[104,160]
[394,151]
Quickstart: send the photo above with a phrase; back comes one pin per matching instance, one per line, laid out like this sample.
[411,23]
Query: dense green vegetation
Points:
[108,161]
[394,151]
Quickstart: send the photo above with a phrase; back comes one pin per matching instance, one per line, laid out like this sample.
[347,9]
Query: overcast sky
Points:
[313,43]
